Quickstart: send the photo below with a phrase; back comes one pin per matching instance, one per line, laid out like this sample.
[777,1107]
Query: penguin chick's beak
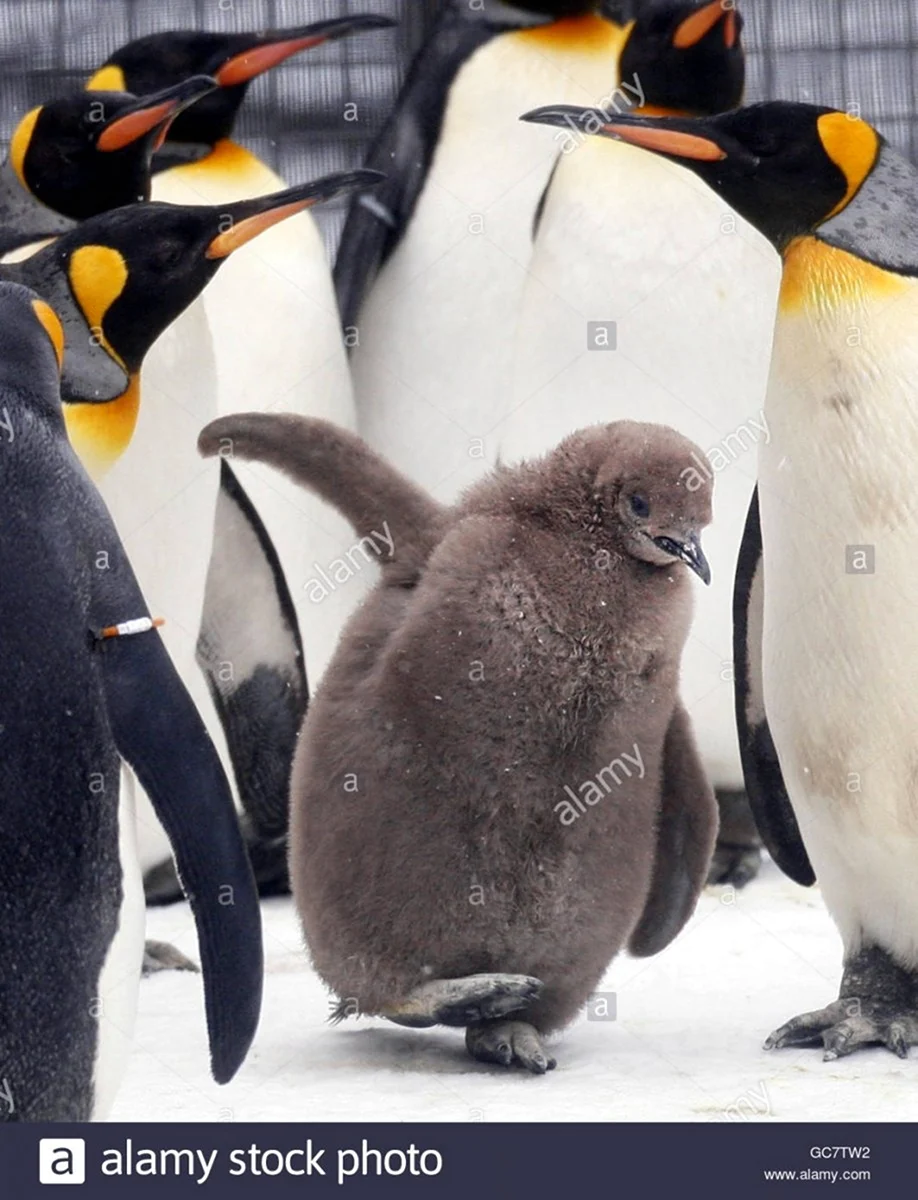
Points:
[270,49]
[156,111]
[676,137]
[249,218]
[689,552]
[700,23]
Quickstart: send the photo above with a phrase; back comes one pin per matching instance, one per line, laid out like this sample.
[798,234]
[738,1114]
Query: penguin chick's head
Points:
[31,345]
[685,57]
[87,153]
[131,272]
[233,59]
[786,167]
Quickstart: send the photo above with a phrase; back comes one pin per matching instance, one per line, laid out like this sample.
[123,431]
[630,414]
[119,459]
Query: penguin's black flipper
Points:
[404,149]
[160,735]
[768,796]
[261,703]
[686,832]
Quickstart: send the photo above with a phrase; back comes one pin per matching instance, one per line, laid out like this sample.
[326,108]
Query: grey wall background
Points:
[838,52]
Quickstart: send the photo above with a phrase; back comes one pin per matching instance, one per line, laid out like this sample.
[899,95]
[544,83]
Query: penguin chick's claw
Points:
[878,1006]
[161,956]
[737,855]
[460,1002]
[507,1043]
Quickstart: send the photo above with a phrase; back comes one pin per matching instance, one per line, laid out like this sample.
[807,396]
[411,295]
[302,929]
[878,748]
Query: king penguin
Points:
[118,280]
[431,267]
[628,313]
[87,682]
[268,331]
[826,629]
[81,155]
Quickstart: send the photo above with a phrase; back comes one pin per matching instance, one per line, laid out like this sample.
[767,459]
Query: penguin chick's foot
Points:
[738,854]
[877,1005]
[507,1043]
[161,956]
[463,1001]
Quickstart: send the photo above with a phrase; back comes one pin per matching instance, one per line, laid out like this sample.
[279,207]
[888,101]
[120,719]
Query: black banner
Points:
[454,1161]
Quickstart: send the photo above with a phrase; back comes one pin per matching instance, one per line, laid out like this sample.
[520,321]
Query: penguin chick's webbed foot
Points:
[738,853]
[877,1005]
[507,1043]
[162,956]
[463,1001]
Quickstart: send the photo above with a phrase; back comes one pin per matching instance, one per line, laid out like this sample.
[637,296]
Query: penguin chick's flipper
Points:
[738,853]
[686,830]
[399,524]
[507,1043]
[877,1005]
[163,956]
[768,796]
[461,1002]
[160,735]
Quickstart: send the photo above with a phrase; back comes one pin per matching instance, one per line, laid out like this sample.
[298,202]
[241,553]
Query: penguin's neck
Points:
[227,173]
[100,433]
[589,34]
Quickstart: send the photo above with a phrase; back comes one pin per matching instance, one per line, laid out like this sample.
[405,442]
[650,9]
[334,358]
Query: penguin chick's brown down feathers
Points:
[497,775]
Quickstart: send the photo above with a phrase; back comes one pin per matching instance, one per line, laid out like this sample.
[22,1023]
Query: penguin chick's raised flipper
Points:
[505,728]
[839,521]
[82,155]
[87,680]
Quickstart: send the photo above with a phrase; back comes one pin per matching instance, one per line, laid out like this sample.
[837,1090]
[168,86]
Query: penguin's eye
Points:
[640,506]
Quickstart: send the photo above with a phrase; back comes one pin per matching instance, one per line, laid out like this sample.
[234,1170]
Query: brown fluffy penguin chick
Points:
[496,788]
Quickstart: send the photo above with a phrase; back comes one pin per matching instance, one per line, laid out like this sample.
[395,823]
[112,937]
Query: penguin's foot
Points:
[507,1043]
[738,853]
[877,1005]
[161,956]
[462,1002]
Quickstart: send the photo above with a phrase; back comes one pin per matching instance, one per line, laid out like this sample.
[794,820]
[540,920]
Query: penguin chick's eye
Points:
[639,505]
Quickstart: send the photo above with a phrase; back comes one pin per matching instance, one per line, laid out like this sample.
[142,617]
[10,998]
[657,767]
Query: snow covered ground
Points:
[686,1045]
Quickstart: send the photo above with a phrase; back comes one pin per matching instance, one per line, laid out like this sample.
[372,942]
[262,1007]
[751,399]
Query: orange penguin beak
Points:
[667,141]
[155,112]
[690,32]
[270,49]
[248,218]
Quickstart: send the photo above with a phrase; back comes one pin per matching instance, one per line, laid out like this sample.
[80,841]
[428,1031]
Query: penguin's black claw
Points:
[507,1043]
[738,854]
[879,1007]
[162,956]
[461,1002]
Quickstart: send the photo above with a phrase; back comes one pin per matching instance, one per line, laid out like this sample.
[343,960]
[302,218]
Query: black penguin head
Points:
[785,167]
[233,59]
[132,271]
[31,347]
[651,498]
[558,8]
[686,57]
[91,151]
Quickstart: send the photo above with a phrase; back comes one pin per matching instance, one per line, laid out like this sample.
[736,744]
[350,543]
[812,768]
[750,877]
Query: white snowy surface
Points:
[686,1045]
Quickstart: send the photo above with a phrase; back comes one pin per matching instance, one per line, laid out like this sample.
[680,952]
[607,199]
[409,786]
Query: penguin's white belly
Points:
[120,978]
[840,639]
[273,323]
[433,366]
[692,299]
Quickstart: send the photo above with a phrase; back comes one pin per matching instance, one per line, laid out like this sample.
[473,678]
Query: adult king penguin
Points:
[86,682]
[81,155]
[269,327]
[628,313]
[826,630]
[431,268]
[118,280]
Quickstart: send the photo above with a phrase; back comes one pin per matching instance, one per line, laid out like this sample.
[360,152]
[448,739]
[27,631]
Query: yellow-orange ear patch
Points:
[97,277]
[107,79]
[853,146]
[19,143]
[51,324]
